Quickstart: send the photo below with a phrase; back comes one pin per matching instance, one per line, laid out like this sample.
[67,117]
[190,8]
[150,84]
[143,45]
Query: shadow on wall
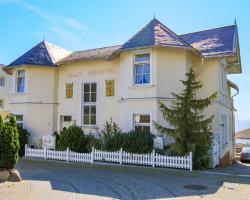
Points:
[119,182]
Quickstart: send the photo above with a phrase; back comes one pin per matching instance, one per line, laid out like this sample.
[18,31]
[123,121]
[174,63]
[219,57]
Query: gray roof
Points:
[155,34]
[91,54]
[214,42]
[43,54]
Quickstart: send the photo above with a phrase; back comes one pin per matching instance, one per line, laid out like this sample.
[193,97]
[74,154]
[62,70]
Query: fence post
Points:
[25,151]
[153,158]
[44,152]
[120,156]
[67,154]
[191,161]
[92,155]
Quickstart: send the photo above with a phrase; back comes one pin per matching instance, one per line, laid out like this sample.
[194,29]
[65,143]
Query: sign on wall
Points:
[48,142]
[158,143]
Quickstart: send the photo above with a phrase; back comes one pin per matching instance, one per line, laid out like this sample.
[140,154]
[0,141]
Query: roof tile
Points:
[213,42]
[155,34]
[43,54]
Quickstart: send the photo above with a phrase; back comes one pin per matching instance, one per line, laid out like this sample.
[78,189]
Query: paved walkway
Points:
[50,180]
[239,168]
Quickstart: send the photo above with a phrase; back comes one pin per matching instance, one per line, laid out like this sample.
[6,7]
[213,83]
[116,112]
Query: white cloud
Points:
[72,40]
[68,29]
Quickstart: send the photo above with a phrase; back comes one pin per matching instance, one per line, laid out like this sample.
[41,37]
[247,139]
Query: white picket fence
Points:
[151,159]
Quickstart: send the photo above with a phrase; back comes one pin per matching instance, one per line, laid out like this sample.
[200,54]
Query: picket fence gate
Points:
[122,157]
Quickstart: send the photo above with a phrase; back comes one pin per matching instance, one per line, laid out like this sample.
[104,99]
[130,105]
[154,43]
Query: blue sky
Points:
[78,25]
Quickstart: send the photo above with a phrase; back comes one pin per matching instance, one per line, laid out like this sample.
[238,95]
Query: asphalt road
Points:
[45,180]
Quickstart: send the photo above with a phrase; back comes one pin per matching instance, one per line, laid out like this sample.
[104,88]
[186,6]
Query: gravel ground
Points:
[50,180]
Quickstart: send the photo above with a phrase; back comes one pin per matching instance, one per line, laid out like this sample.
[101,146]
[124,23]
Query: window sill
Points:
[111,97]
[90,126]
[142,86]
[19,93]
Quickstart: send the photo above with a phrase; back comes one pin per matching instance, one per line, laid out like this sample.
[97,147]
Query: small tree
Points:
[191,130]
[111,136]
[9,142]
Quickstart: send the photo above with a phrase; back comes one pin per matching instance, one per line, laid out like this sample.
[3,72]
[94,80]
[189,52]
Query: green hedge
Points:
[133,142]
[137,142]
[112,140]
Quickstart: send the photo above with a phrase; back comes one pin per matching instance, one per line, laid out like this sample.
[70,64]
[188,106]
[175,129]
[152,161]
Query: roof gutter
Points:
[233,85]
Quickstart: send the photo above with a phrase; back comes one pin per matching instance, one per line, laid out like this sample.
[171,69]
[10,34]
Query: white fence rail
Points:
[151,159]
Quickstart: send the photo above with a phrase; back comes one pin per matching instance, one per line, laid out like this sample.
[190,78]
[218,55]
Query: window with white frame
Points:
[19,120]
[89,103]
[1,103]
[20,81]
[142,122]
[142,69]
[2,81]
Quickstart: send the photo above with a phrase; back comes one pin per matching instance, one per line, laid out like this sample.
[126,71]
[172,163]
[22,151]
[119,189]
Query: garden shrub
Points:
[133,142]
[57,136]
[74,138]
[92,141]
[111,136]
[23,139]
[9,142]
[138,142]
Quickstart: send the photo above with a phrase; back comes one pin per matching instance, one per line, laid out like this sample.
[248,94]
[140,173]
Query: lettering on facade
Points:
[74,75]
[101,72]
[91,73]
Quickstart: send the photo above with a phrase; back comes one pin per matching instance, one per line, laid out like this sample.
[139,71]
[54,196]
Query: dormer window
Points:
[142,69]
[20,82]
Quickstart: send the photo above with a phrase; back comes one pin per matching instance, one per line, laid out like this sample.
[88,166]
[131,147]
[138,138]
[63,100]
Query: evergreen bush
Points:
[137,142]
[9,142]
[23,139]
[74,138]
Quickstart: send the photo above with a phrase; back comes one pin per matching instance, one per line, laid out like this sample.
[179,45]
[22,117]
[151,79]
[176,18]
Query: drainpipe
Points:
[233,114]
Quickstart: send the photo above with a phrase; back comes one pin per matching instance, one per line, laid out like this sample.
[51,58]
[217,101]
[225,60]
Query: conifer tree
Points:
[189,127]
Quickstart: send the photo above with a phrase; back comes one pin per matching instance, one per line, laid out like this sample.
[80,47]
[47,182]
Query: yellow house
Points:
[51,88]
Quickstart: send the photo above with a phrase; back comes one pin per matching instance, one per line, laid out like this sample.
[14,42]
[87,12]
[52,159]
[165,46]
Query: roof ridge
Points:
[46,49]
[139,31]
[153,39]
[24,54]
[208,30]
[178,36]
[97,48]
